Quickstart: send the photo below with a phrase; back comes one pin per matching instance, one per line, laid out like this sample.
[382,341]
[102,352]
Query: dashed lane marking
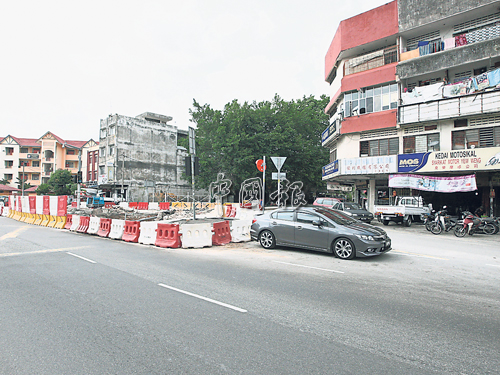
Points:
[42,251]
[407,253]
[314,268]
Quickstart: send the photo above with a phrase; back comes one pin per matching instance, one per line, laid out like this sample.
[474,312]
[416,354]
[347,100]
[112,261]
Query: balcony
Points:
[448,108]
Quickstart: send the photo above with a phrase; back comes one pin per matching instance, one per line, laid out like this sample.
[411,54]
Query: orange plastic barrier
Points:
[69,222]
[222,233]
[167,235]
[164,205]
[104,227]
[132,204]
[84,224]
[109,204]
[143,206]
[131,231]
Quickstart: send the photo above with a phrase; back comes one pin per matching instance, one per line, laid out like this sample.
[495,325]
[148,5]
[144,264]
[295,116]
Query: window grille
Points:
[463,75]
[379,133]
[413,129]
[485,120]
[476,23]
[412,43]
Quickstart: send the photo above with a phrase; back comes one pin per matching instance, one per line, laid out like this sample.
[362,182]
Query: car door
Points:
[309,236]
[283,226]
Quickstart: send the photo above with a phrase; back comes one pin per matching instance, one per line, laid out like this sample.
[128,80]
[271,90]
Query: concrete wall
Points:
[412,14]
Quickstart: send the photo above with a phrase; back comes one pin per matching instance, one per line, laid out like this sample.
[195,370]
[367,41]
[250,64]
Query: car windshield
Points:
[352,206]
[336,216]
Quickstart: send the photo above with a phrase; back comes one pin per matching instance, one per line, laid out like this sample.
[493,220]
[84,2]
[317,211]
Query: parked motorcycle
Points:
[442,222]
[472,224]
[429,220]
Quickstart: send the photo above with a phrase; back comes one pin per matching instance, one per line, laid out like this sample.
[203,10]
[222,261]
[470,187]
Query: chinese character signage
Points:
[370,165]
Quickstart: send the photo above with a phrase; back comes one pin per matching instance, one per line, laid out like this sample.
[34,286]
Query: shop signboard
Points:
[431,183]
[451,161]
[370,165]
[330,170]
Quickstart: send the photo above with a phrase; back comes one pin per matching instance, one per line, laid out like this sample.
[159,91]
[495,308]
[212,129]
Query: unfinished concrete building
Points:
[140,159]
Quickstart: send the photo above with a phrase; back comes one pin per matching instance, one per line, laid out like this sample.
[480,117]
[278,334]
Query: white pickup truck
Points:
[406,210]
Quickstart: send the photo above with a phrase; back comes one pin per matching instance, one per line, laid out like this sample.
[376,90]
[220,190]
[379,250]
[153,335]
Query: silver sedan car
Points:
[321,229]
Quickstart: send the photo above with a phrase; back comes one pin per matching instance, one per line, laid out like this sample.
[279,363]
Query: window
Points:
[7,176]
[112,130]
[35,163]
[102,152]
[70,164]
[304,217]
[9,150]
[460,123]
[35,177]
[103,133]
[24,150]
[70,151]
[283,215]
[101,170]
[333,155]
[421,143]
[373,99]
[111,150]
[36,150]
[379,147]
[9,163]
[476,138]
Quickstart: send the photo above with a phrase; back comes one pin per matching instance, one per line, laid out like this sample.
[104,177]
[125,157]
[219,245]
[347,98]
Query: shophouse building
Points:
[20,160]
[415,90]
[139,158]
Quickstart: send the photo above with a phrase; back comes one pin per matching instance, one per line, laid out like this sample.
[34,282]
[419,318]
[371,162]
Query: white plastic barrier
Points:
[25,202]
[75,222]
[39,204]
[5,211]
[124,204]
[196,235]
[148,232]
[12,202]
[53,201]
[240,230]
[93,225]
[83,204]
[154,206]
[117,228]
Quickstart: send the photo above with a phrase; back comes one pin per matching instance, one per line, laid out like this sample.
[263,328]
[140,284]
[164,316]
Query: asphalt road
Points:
[79,304]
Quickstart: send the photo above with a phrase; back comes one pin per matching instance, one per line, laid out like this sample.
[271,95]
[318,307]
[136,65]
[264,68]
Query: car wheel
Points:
[344,249]
[407,222]
[385,222]
[267,239]
[368,222]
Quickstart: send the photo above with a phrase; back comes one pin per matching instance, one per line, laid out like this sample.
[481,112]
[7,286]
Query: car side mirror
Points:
[317,223]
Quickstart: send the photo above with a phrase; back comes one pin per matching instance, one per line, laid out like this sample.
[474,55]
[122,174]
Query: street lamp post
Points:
[22,180]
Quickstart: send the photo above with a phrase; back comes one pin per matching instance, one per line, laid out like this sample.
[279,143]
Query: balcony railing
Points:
[440,109]
[371,60]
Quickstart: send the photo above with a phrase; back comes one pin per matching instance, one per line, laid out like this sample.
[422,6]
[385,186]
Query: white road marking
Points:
[78,256]
[42,251]
[399,252]
[204,298]
[493,265]
[314,268]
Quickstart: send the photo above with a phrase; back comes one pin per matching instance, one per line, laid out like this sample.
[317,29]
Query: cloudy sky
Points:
[67,64]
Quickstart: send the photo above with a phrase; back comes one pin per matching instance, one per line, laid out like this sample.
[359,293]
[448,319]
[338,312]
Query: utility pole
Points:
[78,186]
[22,181]
[123,174]
[192,151]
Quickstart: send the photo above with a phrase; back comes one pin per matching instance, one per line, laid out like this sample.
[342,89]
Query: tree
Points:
[60,183]
[19,183]
[4,181]
[230,141]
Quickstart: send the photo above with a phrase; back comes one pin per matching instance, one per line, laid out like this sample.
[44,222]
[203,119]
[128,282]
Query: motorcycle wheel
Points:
[460,231]
[436,228]
[428,225]
[489,229]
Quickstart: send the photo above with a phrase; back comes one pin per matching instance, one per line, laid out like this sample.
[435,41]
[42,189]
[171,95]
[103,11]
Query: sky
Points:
[67,64]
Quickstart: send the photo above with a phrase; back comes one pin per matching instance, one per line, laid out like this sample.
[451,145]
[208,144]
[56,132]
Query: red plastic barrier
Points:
[109,204]
[131,231]
[19,205]
[73,204]
[104,227]
[84,224]
[32,201]
[46,205]
[69,222]
[222,233]
[164,205]
[142,205]
[167,235]
[62,205]
[132,204]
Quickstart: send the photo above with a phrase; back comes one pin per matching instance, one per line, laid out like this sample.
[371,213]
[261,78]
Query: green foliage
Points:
[60,183]
[19,183]
[4,181]
[230,141]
